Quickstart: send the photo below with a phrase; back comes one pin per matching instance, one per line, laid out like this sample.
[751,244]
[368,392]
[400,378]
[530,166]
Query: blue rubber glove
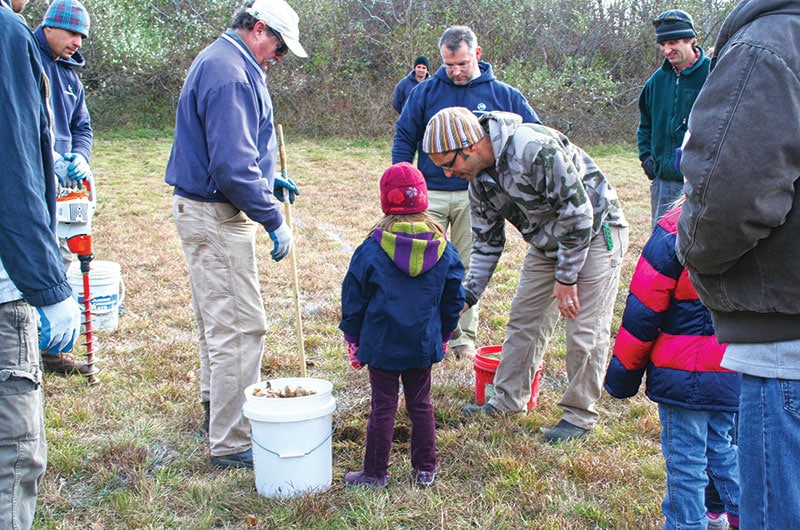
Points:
[78,168]
[61,167]
[282,237]
[288,184]
[61,323]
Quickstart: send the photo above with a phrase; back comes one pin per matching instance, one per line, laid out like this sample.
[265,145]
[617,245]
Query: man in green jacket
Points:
[664,106]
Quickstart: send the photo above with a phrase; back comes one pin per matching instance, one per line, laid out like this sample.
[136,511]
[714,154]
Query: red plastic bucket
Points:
[486,361]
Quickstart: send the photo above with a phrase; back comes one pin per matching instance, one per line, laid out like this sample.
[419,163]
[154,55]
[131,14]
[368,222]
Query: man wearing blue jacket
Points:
[420,73]
[463,80]
[32,275]
[60,36]
[222,166]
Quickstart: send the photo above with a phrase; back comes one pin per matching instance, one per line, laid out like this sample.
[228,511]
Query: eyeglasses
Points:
[448,166]
[282,47]
[461,66]
[670,19]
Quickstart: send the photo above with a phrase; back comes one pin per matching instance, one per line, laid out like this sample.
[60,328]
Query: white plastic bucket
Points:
[292,452]
[106,289]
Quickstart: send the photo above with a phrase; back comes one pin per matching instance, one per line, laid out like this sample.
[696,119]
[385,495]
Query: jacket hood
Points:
[748,11]
[76,61]
[487,75]
[501,126]
[412,247]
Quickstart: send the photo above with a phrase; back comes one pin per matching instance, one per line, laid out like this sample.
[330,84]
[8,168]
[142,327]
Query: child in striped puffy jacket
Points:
[668,334]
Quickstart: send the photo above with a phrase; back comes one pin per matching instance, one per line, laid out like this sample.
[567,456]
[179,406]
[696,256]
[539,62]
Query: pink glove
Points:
[352,352]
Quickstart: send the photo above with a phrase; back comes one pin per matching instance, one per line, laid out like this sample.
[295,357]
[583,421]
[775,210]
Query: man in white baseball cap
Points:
[222,167]
[282,19]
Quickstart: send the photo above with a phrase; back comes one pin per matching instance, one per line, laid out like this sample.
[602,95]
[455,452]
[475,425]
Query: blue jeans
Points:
[23,449]
[663,193]
[769,453]
[691,441]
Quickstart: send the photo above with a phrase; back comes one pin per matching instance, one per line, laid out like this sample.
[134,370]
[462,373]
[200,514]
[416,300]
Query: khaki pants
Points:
[451,210]
[533,318]
[219,244]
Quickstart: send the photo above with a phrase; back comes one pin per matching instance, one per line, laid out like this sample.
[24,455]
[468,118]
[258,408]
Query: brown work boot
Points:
[64,364]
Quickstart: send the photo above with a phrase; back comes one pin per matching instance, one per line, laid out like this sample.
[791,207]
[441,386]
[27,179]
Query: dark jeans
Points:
[380,428]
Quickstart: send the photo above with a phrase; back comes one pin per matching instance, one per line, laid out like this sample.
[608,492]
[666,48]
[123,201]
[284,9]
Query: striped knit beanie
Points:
[451,129]
[69,15]
[403,190]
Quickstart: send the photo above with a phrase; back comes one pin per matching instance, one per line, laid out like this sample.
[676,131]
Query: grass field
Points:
[126,453]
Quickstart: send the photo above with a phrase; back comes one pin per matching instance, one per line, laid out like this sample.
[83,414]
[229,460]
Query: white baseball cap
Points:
[280,16]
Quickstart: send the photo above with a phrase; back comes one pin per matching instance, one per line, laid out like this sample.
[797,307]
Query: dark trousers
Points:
[380,428]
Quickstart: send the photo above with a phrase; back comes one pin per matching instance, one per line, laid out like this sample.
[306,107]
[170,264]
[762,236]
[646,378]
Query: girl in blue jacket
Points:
[401,301]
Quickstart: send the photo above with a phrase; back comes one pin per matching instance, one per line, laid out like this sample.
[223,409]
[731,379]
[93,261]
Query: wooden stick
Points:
[298,321]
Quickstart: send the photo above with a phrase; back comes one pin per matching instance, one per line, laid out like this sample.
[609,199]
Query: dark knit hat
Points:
[403,190]
[674,24]
[422,60]
[69,15]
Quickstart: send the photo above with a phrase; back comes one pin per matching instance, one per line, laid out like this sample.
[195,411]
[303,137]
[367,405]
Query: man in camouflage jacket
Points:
[565,208]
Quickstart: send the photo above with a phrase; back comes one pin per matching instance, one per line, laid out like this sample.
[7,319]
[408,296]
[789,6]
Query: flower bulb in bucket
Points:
[292,451]
[487,359]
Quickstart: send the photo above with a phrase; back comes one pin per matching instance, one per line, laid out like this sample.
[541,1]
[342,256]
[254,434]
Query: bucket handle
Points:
[295,455]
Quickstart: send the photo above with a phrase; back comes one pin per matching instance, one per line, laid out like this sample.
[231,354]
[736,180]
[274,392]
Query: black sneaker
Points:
[564,431]
[243,459]
[477,410]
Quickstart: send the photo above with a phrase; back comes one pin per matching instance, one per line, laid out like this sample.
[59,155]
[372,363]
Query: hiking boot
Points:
[477,410]
[426,478]
[359,478]
[464,351]
[564,431]
[243,459]
[64,364]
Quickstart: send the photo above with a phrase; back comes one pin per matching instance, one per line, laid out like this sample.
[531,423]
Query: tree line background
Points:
[580,63]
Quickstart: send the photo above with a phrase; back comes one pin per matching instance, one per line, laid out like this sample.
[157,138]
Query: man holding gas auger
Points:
[60,36]
[222,166]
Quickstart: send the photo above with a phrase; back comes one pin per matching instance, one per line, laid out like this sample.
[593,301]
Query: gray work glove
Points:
[282,237]
[60,325]
[649,166]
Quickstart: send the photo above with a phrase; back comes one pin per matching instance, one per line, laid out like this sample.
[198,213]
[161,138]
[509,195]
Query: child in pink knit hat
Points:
[401,301]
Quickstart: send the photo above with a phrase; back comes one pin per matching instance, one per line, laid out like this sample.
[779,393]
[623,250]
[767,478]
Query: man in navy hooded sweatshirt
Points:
[463,80]
[60,36]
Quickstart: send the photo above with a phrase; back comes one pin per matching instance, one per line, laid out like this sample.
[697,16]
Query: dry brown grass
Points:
[126,454]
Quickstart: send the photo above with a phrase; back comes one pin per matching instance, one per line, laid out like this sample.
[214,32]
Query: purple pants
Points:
[380,428]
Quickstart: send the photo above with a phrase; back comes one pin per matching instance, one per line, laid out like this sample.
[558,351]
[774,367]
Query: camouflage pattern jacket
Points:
[545,186]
